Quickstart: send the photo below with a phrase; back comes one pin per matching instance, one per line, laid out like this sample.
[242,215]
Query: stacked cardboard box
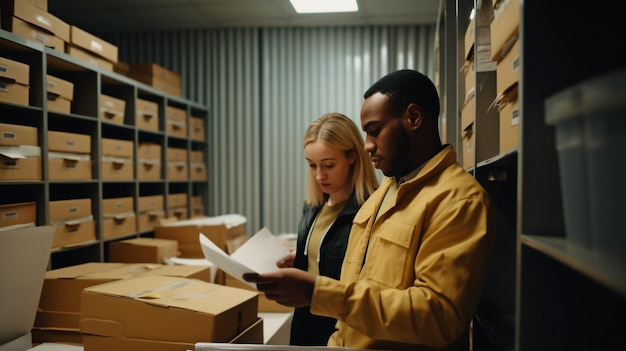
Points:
[157,76]
[58,314]
[177,206]
[197,166]
[88,47]
[176,121]
[151,211]
[149,161]
[14,81]
[147,115]
[74,220]
[505,51]
[26,20]
[119,218]
[143,250]
[20,155]
[117,159]
[166,313]
[60,94]
[177,163]
[112,109]
[13,216]
[69,156]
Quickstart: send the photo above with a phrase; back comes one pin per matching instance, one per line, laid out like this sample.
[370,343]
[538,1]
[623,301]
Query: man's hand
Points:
[288,286]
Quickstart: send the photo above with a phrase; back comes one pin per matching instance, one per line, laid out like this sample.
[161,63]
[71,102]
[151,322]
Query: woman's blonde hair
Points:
[339,131]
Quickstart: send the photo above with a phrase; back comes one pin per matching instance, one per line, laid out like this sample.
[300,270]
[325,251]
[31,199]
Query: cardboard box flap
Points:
[508,95]
[81,270]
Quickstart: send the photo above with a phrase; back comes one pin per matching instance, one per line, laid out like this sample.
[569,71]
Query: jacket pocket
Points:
[388,251]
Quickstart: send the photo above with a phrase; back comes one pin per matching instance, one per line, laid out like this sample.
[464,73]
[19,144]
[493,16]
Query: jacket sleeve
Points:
[438,287]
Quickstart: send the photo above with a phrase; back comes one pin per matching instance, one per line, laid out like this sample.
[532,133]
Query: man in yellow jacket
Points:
[419,248]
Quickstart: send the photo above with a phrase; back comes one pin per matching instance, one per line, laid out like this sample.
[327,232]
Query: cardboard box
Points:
[16,135]
[122,68]
[112,109]
[265,304]
[252,335]
[149,161]
[198,171]
[179,213]
[468,114]
[176,200]
[177,171]
[60,94]
[142,250]
[176,121]
[59,304]
[117,159]
[69,156]
[21,162]
[177,154]
[74,220]
[93,44]
[508,69]
[504,26]
[88,57]
[469,40]
[186,232]
[148,220]
[149,203]
[36,16]
[18,214]
[14,93]
[469,68]
[14,71]
[31,32]
[197,130]
[119,218]
[147,115]
[509,124]
[190,310]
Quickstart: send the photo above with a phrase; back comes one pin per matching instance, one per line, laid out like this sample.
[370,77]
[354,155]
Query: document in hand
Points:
[257,255]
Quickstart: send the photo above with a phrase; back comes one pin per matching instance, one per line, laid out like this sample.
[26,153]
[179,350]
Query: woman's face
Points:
[330,167]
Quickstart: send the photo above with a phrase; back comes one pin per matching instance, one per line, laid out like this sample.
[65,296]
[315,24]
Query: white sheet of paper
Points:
[258,254]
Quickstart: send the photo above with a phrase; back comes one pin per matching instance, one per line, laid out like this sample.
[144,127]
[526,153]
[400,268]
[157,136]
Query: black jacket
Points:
[308,329]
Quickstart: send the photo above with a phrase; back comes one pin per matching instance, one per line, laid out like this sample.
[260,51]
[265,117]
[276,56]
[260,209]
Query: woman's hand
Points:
[287,261]
[288,286]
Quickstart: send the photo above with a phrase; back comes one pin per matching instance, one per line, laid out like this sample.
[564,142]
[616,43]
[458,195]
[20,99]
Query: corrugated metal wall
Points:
[263,87]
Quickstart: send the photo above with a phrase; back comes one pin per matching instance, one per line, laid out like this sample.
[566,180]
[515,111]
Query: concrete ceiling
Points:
[104,16]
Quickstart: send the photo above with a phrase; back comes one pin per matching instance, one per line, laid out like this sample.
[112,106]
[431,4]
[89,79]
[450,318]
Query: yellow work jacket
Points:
[413,276]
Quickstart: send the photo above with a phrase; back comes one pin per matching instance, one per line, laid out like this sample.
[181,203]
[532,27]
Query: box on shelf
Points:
[122,68]
[112,109]
[468,114]
[151,212]
[118,217]
[60,94]
[508,68]
[117,159]
[18,215]
[197,166]
[93,44]
[197,131]
[190,310]
[158,77]
[504,26]
[74,220]
[69,156]
[14,81]
[147,115]
[34,33]
[59,304]
[176,121]
[149,161]
[34,15]
[469,40]
[88,57]
[142,250]
[20,155]
[508,107]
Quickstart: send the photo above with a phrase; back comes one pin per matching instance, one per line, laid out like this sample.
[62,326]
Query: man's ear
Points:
[415,115]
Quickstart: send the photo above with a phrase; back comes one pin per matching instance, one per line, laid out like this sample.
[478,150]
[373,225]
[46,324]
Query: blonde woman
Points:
[340,178]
